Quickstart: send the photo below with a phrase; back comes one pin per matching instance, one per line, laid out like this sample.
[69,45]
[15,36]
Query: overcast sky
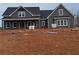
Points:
[73,7]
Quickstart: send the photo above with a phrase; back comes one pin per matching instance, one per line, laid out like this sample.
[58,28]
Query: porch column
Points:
[10,25]
[19,24]
[2,24]
[25,24]
[68,23]
[39,23]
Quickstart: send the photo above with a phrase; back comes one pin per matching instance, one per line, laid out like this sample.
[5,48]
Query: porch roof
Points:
[62,17]
[22,19]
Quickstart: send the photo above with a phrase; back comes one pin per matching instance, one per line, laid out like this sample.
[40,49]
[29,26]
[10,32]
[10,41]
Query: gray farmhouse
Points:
[23,17]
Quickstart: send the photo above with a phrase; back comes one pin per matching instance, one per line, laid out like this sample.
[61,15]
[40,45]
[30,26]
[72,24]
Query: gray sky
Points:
[73,7]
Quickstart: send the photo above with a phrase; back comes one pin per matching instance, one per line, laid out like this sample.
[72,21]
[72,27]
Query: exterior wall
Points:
[50,21]
[65,14]
[2,24]
[15,15]
[46,23]
[72,23]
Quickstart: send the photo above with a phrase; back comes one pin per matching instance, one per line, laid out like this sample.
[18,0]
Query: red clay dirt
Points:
[39,42]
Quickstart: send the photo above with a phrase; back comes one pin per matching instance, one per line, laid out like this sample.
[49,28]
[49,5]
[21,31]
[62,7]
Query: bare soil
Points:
[39,42]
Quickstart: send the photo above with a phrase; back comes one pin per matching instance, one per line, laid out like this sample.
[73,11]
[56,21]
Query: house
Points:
[23,17]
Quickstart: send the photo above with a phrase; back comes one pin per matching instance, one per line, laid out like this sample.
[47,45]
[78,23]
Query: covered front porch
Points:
[21,24]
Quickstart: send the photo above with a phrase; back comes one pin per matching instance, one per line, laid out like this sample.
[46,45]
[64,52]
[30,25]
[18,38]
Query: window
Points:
[21,14]
[43,23]
[7,24]
[14,24]
[60,12]
[62,23]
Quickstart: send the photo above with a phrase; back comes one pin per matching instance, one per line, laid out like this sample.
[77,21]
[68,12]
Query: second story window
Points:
[21,14]
[60,12]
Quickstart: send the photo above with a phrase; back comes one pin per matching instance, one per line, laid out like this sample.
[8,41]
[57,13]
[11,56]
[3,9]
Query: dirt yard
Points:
[39,41]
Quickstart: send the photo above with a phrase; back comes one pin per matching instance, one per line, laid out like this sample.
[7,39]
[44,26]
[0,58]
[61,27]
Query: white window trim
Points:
[59,22]
[7,26]
[63,23]
[66,23]
[60,12]
[21,12]
[13,25]
[43,23]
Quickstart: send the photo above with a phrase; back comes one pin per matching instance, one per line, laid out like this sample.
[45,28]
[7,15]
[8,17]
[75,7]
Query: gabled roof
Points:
[9,10]
[57,8]
[35,11]
[45,13]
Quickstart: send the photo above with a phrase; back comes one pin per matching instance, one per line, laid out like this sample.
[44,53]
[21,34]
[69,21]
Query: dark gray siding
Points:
[15,15]
[46,23]
[72,23]
[65,14]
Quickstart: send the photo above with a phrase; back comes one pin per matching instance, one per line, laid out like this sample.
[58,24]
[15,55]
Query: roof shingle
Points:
[33,10]
[45,13]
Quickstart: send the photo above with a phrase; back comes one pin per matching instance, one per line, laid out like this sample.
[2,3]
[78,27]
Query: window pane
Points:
[21,14]
[61,22]
[60,12]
